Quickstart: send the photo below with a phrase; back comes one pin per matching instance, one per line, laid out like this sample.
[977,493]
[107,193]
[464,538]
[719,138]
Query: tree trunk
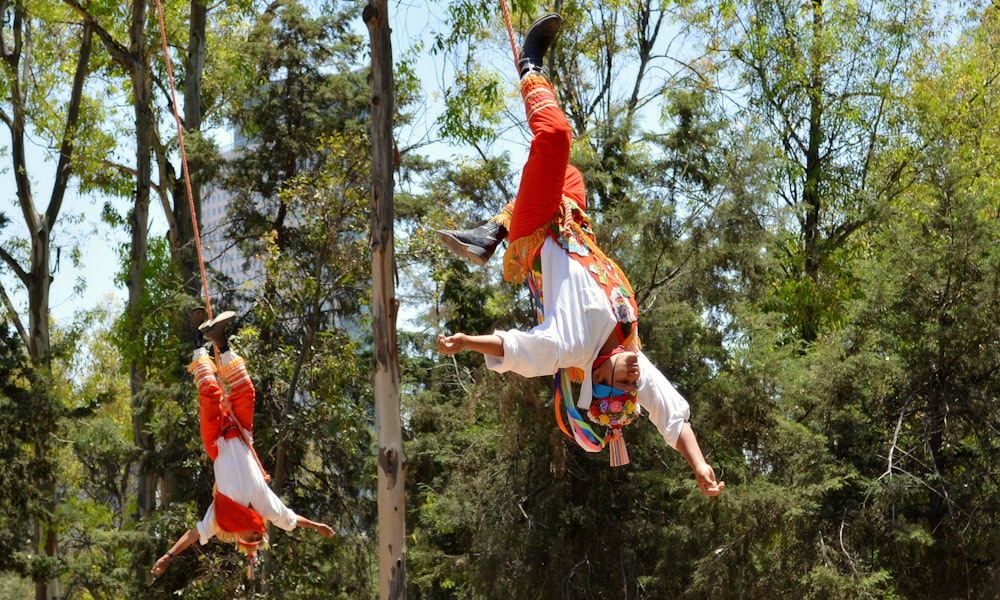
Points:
[391,460]
[139,224]
[37,279]
[811,193]
[182,237]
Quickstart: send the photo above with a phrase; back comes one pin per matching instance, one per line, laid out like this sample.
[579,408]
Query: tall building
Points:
[221,253]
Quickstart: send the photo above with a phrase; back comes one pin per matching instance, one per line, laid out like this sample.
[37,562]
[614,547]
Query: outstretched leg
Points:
[540,194]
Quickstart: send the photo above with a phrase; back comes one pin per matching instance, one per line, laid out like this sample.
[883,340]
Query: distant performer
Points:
[243,501]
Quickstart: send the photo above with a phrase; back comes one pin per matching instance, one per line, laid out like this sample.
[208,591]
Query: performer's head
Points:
[250,542]
[250,539]
[615,373]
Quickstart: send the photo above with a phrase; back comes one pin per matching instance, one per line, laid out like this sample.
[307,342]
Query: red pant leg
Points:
[209,395]
[242,395]
[541,189]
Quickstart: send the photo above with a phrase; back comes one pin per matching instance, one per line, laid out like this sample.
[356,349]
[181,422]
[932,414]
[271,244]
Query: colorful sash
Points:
[612,412]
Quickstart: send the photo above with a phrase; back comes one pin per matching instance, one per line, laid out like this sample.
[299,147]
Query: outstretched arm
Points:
[489,345]
[322,528]
[180,545]
[687,445]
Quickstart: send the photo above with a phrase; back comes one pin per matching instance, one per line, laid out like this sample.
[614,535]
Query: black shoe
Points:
[537,41]
[198,316]
[476,244]
[215,329]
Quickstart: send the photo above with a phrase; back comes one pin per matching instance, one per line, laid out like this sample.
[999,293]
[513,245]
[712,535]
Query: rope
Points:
[194,217]
[184,163]
[510,35]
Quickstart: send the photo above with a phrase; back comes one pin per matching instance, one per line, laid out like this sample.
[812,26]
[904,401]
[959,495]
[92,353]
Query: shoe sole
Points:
[220,319]
[462,249]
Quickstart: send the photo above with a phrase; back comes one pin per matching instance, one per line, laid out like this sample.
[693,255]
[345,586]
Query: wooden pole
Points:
[385,306]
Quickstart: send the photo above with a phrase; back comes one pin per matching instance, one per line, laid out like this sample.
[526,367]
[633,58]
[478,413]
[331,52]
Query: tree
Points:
[33,40]
[391,459]
[133,58]
[928,320]
[815,81]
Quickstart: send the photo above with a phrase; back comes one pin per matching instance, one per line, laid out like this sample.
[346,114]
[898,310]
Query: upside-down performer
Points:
[588,326]
[243,501]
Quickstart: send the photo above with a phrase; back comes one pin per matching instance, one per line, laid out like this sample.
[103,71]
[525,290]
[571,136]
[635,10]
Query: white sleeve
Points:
[206,526]
[664,405]
[527,353]
[274,510]
[578,319]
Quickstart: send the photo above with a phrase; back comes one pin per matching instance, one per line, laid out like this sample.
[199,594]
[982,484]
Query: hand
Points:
[322,528]
[451,344]
[325,530]
[161,565]
[705,477]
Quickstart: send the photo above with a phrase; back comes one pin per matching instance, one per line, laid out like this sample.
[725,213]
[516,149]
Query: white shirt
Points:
[238,476]
[578,320]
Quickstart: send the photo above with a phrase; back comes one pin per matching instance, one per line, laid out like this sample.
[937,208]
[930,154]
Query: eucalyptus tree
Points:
[122,31]
[47,58]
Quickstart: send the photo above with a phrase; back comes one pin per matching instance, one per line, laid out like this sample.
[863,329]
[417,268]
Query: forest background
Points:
[804,195]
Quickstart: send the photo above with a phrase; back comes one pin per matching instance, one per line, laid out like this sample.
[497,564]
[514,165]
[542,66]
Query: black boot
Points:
[198,316]
[537,41]
[476,244]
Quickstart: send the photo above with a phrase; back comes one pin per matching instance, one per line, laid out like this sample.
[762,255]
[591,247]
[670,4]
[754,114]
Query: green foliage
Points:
[14,587]
[26,414]
[803,196]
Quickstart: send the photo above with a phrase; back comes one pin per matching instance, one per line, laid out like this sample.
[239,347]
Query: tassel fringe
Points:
[616,448]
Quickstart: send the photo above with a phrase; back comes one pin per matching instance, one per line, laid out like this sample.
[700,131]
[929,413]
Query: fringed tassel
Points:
[616,448]
[234,370]
[203,369]
[503,217]
[521,254]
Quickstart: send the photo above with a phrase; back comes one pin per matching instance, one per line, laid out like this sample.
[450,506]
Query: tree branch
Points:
[64,168]
[14,317]
[119,52]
